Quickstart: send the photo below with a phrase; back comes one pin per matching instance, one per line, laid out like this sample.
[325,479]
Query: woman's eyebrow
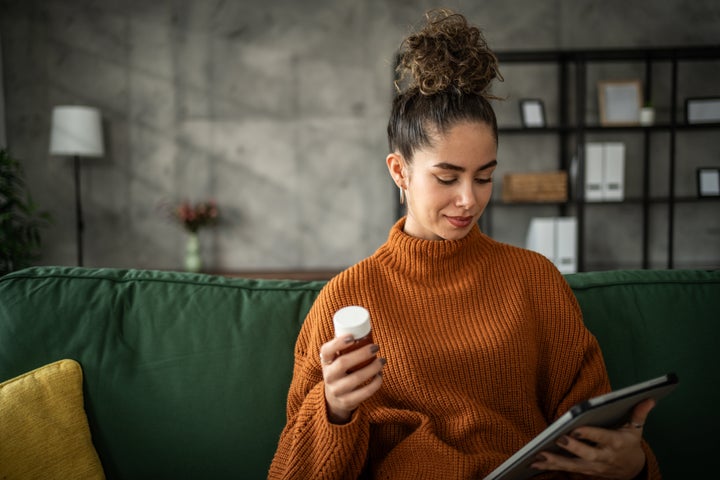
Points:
[457,168]
[490,164]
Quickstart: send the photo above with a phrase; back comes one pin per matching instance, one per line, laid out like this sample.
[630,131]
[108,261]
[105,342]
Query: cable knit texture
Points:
[485,347]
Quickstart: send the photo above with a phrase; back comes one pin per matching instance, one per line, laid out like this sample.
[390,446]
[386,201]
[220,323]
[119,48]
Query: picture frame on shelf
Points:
[532,113]
[620,102]
[708,182]
[702,110]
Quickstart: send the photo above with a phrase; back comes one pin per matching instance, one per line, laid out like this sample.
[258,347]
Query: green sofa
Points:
[185,375]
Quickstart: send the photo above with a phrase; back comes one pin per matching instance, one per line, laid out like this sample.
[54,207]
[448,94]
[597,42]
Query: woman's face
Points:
[448,185]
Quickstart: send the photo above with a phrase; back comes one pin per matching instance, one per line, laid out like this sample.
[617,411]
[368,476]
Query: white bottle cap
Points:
[354,320]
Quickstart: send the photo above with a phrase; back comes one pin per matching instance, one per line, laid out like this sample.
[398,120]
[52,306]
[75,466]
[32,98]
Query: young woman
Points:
[482,344]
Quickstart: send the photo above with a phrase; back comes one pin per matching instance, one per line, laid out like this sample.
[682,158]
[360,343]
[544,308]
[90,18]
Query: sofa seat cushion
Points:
[43,426]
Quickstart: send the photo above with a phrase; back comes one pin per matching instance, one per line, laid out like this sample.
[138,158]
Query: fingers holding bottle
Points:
[351,369]
[350,378]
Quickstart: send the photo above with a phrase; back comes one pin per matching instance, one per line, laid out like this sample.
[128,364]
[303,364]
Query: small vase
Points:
[192,253]
[647,116]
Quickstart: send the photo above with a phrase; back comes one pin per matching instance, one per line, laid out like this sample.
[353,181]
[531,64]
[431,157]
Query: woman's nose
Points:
[465,196]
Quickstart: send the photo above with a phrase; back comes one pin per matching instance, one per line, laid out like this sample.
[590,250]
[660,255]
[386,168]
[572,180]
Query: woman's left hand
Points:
[602,452]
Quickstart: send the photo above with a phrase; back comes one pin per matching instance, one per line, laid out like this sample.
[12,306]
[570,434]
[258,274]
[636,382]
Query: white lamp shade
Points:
[76,131]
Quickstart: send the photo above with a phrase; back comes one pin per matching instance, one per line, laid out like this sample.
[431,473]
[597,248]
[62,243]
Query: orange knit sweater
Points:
[485,346]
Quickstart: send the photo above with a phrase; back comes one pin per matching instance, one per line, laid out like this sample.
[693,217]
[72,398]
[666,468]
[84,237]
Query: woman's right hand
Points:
[344,392]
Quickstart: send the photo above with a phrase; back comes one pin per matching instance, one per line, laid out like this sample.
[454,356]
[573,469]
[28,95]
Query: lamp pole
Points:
[77,133]
[80,226]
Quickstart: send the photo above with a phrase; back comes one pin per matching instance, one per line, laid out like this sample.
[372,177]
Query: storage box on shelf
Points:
[535,187]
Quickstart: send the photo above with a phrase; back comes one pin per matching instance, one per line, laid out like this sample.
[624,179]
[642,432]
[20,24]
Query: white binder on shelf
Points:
[604,171]
[556,239]
[565,239]
[594,154]
[614,172]
[541,236]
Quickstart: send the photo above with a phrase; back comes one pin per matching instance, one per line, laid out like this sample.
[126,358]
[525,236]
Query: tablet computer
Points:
[611,410]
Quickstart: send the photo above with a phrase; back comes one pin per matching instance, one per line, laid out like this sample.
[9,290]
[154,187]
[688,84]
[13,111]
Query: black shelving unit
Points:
[572,127]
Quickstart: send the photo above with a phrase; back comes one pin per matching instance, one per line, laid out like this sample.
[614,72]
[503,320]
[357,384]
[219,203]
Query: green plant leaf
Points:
[20,219]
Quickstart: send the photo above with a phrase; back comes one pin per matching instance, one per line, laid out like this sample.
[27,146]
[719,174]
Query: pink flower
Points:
[193,217]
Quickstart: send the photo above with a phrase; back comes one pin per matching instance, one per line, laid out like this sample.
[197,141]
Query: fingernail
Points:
[374,348]
[383,361]
[563,440]
[349,339]
[576,435]
[540,458]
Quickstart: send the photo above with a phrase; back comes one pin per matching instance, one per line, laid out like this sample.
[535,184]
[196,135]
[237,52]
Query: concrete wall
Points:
[3,139]
[277,109]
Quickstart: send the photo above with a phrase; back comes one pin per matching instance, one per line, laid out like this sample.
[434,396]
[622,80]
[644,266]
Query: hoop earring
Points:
[402,196]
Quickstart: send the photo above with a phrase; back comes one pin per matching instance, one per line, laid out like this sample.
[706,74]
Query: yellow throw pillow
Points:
[44,432]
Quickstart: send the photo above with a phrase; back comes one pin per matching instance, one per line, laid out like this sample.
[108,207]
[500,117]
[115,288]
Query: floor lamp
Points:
[77,132]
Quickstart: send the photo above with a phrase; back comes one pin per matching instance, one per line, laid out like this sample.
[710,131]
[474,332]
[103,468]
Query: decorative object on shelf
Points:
[604,171]
[708,179]
[20,219]
[535,187]
[192,218]
[702,110]
[532,113]
[647,115]
[77,132]
[620,102]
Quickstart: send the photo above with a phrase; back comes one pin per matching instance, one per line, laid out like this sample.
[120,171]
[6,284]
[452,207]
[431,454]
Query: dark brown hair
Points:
[444,73]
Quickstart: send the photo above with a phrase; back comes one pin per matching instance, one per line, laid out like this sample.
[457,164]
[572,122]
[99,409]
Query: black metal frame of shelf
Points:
[565,130]
[704,52]
[599,128]
[630,200]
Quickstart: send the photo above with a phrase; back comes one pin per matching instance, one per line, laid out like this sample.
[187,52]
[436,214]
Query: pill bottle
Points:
[354,320]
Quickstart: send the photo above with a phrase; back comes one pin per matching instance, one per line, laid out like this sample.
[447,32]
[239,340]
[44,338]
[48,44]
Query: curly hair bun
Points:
[447,54]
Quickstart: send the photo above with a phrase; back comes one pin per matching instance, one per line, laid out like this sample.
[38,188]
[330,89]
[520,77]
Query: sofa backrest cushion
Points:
[186,375]
[656,321]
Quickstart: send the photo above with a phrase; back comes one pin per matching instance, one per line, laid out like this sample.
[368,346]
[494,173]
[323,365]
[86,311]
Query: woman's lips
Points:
[460,222]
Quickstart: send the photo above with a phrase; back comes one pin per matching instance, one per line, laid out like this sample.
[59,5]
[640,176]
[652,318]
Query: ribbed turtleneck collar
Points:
[426,259]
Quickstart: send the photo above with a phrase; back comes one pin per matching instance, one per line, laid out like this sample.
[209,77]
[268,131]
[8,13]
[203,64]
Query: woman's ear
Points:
[396,167]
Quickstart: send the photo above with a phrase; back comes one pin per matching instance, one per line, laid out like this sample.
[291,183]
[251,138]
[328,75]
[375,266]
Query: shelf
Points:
[631,200]
[602,128]
[655,200]
[573,131]
[710,52]
[655,128]
[500,203]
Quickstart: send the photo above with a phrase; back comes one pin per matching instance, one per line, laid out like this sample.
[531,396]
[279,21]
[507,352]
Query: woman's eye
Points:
[484,180]
[446,181]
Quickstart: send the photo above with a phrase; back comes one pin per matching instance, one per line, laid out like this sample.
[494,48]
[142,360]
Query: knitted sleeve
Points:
[310,446]
[580,361]
[575,367]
